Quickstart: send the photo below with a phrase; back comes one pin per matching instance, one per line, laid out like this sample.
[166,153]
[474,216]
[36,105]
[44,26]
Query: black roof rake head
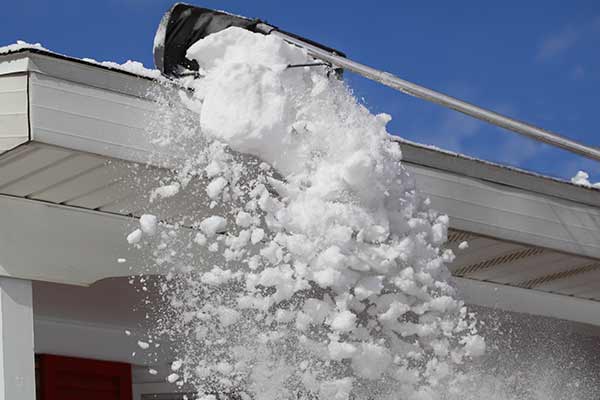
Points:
[185,24]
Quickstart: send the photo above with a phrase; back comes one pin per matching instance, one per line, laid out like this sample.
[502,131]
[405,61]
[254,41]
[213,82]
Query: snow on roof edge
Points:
[130,66]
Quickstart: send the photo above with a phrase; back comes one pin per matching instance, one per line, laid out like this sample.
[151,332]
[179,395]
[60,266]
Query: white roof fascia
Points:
[528,301]
[14,63]
[511,214]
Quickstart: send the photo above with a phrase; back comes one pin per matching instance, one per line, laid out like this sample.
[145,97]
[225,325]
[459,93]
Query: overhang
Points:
[72,132]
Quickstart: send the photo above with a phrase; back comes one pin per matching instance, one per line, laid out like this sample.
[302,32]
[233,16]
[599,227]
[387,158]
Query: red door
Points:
[68,378]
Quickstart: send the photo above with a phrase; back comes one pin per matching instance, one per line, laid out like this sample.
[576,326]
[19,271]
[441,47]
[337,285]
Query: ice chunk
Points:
[134,237]
[148,224]
[143,345]
[215,187]
[213,225]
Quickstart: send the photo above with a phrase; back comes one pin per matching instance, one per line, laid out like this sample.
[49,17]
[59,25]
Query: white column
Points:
[17,369]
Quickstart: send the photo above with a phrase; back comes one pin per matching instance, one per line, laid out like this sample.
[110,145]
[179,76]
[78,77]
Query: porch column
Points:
[17,369]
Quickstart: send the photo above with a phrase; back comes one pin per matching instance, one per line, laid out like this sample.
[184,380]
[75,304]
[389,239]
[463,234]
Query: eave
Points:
[71,132]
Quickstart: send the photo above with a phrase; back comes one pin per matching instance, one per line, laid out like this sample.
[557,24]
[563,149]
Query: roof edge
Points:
[435,158]
[413,153]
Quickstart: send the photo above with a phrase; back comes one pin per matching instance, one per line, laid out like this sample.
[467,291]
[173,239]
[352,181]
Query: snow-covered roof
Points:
[72,129]
[130,67]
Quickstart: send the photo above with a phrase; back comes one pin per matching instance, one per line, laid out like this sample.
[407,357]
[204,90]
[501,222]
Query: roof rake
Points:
[184,24]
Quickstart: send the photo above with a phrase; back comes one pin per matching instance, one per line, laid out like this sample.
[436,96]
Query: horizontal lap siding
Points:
[90,119]
[14,129]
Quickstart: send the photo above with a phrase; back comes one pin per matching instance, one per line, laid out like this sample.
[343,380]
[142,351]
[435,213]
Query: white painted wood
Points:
[30,162]
[104,195]
[529,301]
[14,63]
[512,214]
[87,180]
[90,119]
[74,164]
[90,74]
[14,129]
[17,370]
[62,244]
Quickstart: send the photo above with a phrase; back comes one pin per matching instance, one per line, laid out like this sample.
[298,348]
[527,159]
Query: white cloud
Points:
[560,42]
[457,132]
[555,44]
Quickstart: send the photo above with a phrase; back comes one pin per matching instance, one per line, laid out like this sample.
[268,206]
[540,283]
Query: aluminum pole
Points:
[421,92]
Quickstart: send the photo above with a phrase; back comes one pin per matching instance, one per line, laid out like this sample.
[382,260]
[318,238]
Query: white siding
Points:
[13,111]
[90,119]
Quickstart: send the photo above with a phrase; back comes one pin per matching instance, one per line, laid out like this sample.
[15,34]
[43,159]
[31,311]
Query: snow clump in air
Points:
[314,267]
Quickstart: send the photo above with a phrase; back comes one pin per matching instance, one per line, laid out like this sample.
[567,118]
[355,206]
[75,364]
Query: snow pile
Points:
[21,45]
[315,269]
[133,67]
[582,179]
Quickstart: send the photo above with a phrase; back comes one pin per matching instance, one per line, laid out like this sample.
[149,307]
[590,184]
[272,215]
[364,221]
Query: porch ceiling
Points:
[72,181]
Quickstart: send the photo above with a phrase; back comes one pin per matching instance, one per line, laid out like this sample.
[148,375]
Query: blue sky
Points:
[538,61]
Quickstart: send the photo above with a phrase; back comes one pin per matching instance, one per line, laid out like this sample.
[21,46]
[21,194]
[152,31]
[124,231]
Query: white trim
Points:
[509,298]
[54,243]
[17,371]
[511,214]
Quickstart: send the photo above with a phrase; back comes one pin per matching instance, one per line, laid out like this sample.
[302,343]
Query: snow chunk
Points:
[213,225]
[200,239]
[228,316]
[368,286]
[341,350]
[372,361]
[257,235]
[175,365]
[339,389]
[581,179]
[243,219]
[148,224]
[165,191]
[344,321]
[143,345]
[134,237]
[215,187]
[474,346]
